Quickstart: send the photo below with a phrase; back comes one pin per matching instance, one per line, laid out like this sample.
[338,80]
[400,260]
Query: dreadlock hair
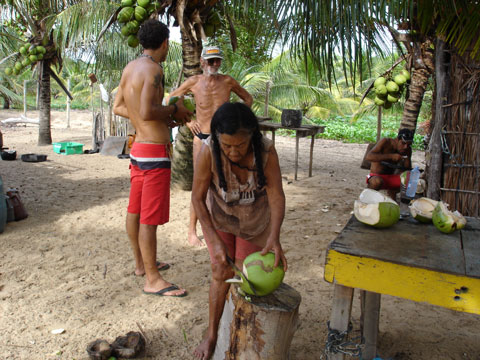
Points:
[229,119]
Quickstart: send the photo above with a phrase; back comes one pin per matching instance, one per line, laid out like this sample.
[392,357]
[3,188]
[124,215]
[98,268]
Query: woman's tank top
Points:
[243,209]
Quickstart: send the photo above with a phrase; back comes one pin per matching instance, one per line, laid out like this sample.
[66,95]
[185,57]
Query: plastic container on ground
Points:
[413,182]
[68,148]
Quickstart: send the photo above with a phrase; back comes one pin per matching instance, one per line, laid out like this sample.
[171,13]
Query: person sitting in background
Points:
[388,158]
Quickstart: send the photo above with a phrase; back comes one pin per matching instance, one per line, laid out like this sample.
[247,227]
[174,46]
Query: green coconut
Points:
[260,270]
[26,62]
[32,50]
[132,41]
[125,14]
[214,18]
[381,90]
[41,49]
[143,3]
[187,102]
[209,30]
[33,58]
[128,3]
[400,79]
[406,74]
[23,50]
[392,98]
[8,71]
[125,30]
[375,209]
[378,101]
[392,87]
[380,81]
[140,13]
[422,209]
[447,221]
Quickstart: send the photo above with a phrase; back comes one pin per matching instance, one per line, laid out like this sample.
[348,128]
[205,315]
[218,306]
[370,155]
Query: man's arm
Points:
[380,153]
[241,92]
[183,89]
[119,106]
[150,101]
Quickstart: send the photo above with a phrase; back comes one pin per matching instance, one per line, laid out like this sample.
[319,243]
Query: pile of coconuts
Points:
[388,90]
[132,15]
[29,54]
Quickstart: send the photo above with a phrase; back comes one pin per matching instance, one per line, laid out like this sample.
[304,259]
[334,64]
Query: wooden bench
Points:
[410,260]
[302,131]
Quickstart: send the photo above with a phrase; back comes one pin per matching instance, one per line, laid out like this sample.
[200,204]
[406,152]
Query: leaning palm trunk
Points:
[44,134]
[423,61]
[182,166]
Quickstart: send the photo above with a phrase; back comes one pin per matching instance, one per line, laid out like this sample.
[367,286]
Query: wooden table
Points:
[410,260]
[302,131]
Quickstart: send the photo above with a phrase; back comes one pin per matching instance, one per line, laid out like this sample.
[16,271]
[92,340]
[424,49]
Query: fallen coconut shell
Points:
[99,350]
[128,346]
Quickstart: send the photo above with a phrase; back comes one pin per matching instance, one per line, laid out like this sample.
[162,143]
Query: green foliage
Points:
[364,130]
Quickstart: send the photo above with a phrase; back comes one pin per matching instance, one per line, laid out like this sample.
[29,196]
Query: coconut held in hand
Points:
[375,209]
[262,274]
[447,221]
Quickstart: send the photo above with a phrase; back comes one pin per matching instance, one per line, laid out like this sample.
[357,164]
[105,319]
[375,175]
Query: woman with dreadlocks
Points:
[238,197]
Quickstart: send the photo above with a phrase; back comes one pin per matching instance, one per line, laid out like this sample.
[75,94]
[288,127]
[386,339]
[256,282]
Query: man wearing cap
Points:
[210,90]
[389,157]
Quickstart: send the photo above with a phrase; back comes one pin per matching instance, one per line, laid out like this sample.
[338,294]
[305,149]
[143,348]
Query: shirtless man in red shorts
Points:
[210,90]
[389,157]
[139,98]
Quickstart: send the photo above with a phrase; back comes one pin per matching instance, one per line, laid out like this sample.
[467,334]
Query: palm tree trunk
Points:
[44,131]
[182,165]
[423,60]
[191,49]
[6,103]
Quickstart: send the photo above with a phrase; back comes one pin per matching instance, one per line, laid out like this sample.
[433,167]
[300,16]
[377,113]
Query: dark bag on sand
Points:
[18,209]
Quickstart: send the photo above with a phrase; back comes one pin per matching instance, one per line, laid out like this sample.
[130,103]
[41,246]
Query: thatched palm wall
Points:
[460,183]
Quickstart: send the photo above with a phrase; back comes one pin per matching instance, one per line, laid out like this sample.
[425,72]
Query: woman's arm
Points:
[202,178]
[276,201]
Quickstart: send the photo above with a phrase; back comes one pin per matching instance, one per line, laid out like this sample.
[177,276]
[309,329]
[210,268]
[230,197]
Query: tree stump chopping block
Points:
[259,329]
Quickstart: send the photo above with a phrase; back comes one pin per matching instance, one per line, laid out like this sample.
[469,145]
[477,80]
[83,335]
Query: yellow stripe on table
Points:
[455,292]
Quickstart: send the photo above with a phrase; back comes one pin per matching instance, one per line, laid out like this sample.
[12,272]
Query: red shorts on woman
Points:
[237,247]
[150,171]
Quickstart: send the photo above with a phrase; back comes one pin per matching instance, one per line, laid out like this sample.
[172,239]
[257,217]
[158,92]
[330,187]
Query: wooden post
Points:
[379,123]
[341,311]
[371,317]
[261,328]
[68,105]
[297,139]
[25,98]
[311,155]
[267,95]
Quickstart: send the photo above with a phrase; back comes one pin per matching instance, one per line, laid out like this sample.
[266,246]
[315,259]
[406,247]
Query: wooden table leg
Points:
[311,156]
[341,310]
[296,153]
[370,324]
[273,137]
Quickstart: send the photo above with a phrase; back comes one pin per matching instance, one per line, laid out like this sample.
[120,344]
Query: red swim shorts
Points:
[390,182]
[237,248]
[150,183]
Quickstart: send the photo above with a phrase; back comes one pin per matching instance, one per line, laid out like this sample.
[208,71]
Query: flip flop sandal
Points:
[128,346]
[99,350]
[167,289]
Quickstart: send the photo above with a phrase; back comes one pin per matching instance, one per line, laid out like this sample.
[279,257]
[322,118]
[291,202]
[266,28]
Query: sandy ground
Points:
[69,264]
